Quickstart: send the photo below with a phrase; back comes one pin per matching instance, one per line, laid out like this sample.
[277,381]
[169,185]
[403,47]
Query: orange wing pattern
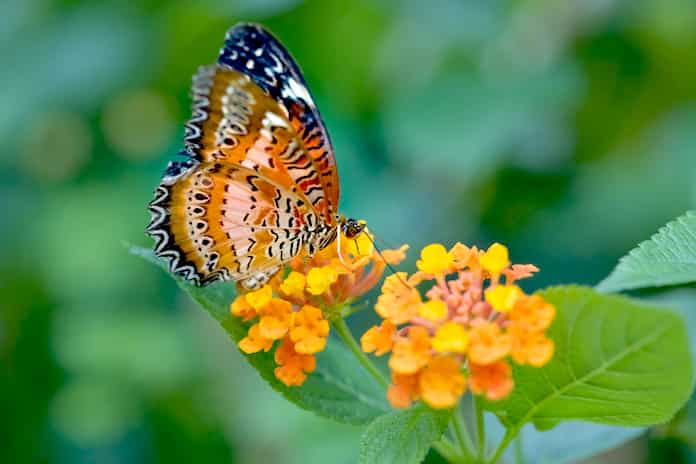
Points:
[259,182]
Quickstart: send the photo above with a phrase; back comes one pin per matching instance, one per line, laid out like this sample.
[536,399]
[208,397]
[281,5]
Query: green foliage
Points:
[667,258]
[617,361]
[402,437]
[337,389]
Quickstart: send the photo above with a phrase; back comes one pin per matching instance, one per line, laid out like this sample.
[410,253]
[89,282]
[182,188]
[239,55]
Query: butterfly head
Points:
[351,228]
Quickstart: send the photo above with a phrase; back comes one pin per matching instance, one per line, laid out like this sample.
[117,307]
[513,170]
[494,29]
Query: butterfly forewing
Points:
[259,181]
[253,51]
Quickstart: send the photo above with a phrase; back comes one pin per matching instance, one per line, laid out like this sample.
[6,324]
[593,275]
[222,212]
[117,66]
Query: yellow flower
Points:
[360,245]
[379,339]
[310,331]
[451,338]
[254,341]
[433,310]
[487,343]
[398,301]
[319,279]
[276,319]
[411,353]
[259,298]
[293,366]
[492,380]
[435,259]
[495,259]
[441,383]
[241,308]
[294,285]
[473,314]
[503,297]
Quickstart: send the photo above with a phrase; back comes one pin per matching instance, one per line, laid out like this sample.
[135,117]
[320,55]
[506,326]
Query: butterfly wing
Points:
[225,221]
[254,52]
[250,188]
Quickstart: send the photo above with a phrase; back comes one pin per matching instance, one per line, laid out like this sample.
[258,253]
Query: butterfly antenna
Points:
[389,266]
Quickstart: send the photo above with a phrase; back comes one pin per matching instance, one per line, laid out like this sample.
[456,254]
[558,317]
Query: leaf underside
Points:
[339,387]
[402,437]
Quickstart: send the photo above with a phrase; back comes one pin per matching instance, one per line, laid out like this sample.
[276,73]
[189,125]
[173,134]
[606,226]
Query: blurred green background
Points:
[565,129]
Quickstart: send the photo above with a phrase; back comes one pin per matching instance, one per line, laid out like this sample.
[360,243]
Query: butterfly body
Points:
[258,184]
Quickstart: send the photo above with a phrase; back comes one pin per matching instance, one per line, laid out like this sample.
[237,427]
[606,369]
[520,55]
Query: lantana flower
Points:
[294,309]
[471,323]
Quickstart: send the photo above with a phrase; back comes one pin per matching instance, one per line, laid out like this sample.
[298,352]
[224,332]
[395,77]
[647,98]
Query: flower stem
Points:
[448,451]
[347,337]
[480,428]
[462,434]
[509,435]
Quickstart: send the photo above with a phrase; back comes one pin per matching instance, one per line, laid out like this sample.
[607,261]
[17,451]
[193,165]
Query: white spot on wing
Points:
[296,90]
[250,64]
[273,120]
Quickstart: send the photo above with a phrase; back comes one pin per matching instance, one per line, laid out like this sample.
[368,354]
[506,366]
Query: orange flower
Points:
[254,341]
[403,390]
[474,314]
[259,298]
[441,383]
[293,366]
[488,344]
[412,352]
[276,319]
[394,257]
[532,313]
[398,302]
[379,339]
[310,331]
[241,308]
[492,380]
[532,348]
[287,308]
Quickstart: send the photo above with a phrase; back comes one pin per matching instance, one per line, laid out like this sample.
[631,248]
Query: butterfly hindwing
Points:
[224,221]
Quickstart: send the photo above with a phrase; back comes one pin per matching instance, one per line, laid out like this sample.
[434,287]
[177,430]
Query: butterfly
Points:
[257,182]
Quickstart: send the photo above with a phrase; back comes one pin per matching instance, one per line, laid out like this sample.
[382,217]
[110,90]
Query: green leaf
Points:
[402,437]
[668,258]
[617,361]
[339,388]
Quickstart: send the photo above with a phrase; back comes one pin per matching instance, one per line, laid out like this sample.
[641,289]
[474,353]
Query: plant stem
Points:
[519,450]
[480,429]
[509,435]
[448,451]
[465,444]
[347,337]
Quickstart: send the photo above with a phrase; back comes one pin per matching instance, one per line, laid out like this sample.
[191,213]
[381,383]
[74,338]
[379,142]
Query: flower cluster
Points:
[295,309]
[472,320]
